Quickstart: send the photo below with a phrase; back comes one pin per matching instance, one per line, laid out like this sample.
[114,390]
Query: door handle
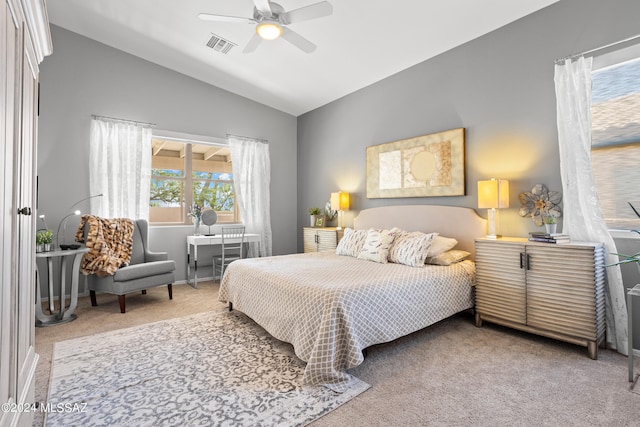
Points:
[24,211]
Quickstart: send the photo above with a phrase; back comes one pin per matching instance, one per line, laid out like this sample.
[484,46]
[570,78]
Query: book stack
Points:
[557,238]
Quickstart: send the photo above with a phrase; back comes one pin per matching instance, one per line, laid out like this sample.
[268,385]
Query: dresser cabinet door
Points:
[562,290]
[500,281]
[327,240]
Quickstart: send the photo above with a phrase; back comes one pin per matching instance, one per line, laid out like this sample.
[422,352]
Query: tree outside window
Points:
[187,173]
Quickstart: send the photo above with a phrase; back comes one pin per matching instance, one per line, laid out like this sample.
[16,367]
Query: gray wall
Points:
[84,77]
[499,87]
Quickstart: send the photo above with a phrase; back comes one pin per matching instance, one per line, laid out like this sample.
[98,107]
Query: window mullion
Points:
[188,188]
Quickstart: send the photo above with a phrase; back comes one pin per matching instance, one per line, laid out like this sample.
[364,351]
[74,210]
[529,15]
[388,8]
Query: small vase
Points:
[196,226]
[551,228]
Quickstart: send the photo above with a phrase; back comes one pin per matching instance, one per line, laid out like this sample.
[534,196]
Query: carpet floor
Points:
[207,369]
[450,374]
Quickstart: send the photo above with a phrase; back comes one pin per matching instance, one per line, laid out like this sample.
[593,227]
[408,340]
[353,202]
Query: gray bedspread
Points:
[331,307]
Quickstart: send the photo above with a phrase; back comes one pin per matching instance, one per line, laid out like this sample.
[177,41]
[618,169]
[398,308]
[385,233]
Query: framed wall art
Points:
[424,166]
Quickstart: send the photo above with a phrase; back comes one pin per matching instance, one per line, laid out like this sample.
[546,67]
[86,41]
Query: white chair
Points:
[232,248]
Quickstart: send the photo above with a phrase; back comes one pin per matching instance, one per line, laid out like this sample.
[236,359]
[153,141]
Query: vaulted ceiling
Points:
[360,43]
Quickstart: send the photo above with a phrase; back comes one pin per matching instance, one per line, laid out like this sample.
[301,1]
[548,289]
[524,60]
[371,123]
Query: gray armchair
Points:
[145,270]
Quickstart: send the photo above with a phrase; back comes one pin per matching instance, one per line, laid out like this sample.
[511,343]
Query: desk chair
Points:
[232,247]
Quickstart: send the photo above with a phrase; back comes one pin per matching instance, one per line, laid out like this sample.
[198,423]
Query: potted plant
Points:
[550,223]
[43,240]
[627,259]
[313,215]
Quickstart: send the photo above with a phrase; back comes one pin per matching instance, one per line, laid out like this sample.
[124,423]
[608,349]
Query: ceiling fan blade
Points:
[263,7]
[223,18]
[297,40]
[253,44]
[316,10]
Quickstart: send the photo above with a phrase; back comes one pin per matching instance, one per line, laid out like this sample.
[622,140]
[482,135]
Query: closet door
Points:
[20,20]
[24,231]
[9,115]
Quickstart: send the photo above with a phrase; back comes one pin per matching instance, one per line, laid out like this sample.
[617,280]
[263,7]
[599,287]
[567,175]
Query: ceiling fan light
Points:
[269,30]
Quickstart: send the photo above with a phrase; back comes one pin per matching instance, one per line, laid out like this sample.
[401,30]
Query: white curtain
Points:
[120,168]
[251,178]
[582,215]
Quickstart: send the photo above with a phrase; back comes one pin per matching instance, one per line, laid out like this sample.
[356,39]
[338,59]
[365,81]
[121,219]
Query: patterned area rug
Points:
[206,369]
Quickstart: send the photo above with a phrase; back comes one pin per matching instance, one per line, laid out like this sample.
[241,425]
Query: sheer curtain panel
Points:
[251,178]
[120,168]
[582,215]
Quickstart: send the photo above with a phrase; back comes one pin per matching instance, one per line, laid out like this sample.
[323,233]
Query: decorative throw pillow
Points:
[410,248]
[351,242]
[448,257]
[440,245]
[376,246]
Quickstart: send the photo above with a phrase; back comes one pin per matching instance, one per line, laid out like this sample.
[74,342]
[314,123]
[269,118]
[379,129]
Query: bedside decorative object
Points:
[329,213]
[550,223]
[493,194]
[314,213]
[340,203]
[540,202]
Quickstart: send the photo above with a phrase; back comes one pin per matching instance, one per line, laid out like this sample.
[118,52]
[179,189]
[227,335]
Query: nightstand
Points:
[318,239]
[554,290]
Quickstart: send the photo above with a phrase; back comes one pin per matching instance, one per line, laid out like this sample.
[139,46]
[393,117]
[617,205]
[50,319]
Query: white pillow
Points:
[448,257]
[351,242]
[376,246]
[410,248]
[440,245]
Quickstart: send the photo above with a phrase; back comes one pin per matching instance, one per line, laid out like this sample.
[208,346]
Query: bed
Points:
[331,307]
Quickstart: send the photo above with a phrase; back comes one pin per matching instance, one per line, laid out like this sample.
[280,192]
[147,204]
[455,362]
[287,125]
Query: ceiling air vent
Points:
[219,44]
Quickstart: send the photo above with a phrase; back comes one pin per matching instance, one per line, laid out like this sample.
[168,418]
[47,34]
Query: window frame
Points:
[601,62]
[189,140]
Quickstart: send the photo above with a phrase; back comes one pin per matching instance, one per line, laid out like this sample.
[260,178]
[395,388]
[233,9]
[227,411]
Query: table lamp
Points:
[493,194]
[63,225]
[340,203]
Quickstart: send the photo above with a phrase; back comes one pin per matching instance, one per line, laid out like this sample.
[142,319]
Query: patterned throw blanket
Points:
[109,241]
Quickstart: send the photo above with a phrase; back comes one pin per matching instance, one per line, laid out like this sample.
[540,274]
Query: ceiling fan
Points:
[271,22]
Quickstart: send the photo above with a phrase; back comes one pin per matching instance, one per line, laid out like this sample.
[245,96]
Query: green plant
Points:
[314,211]
[627,259]
[549,219]
[44,237]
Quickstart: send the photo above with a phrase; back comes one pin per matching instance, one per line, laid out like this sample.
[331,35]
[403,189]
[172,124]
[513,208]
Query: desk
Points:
[61,316]
[215,240]
[633,292]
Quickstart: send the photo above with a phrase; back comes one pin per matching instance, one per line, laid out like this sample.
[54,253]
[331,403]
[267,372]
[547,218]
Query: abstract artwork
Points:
[424,166]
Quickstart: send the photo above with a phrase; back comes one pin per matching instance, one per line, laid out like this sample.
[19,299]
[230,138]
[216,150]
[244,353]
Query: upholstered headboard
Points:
[463,224]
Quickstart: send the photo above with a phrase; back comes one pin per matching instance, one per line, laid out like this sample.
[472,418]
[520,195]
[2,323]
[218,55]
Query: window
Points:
[186,173]
[615,152]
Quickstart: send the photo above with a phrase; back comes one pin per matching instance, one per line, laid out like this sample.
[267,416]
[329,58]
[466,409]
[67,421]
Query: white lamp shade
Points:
[340,201]
[493,194]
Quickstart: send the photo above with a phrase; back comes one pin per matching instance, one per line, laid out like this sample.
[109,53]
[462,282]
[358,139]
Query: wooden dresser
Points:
[555,290]
[321,238]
